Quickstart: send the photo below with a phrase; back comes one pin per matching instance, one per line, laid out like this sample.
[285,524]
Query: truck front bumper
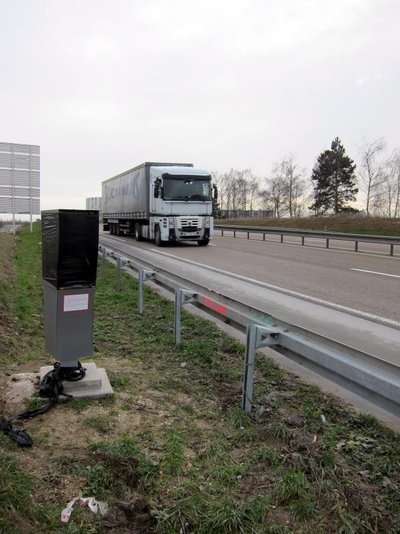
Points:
[182,235]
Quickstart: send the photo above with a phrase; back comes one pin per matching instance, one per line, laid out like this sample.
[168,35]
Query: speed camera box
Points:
[70,240]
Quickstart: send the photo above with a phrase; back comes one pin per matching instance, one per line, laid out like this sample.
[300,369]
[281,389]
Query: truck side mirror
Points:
[215,192]
[157,184]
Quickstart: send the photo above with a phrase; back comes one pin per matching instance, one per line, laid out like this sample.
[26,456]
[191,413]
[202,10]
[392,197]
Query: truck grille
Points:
[189,223]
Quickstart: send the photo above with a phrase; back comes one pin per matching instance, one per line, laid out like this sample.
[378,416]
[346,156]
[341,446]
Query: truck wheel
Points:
[203,242]
[157,237]
[138,234]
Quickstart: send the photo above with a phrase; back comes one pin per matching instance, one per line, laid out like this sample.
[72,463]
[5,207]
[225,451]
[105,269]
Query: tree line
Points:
[334,185]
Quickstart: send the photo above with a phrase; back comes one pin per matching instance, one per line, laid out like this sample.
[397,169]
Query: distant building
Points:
[95,203]
[19,179]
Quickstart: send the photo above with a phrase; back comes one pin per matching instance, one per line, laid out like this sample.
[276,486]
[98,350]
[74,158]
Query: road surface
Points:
[243,271]
[362,283]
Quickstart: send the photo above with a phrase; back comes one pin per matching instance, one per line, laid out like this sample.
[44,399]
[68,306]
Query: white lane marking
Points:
[291,293]
[374,272]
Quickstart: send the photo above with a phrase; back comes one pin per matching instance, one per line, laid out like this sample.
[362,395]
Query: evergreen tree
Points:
[334,180]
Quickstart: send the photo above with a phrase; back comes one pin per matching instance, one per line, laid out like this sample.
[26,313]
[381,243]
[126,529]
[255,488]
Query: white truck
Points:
[165,202]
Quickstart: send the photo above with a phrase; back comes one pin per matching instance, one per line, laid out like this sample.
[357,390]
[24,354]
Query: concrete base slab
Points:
[20,388]
[94,385]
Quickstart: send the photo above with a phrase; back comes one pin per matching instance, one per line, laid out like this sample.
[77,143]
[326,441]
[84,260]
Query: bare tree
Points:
[372,172]
[390,187]
[253,190]
[294,179]
[242,192]
[394,166]
[226,193]
[286,188]
[274,196]
[237,191]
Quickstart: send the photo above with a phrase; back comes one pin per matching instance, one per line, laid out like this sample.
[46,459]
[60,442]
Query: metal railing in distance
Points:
[375,377]
[391,241]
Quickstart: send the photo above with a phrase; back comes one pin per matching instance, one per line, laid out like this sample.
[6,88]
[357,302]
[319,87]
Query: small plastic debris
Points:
[94,506]
[323,418]
[183,364]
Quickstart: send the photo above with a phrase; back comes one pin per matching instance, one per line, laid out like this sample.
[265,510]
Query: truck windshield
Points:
[187,188]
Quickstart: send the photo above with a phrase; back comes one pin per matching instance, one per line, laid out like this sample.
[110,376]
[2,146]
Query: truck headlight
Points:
[206,222]
[171,222]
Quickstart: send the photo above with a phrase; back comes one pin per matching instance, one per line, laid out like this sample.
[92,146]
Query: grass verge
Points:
[172,451]
[352,224]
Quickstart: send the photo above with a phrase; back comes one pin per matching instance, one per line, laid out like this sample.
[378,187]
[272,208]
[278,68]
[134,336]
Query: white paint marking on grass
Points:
[374,272]
[322,302]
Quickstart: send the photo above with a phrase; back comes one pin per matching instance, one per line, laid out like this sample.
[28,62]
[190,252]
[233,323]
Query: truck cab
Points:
[182,201]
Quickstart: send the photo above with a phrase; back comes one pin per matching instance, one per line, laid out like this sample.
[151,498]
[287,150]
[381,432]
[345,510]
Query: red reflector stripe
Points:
[215,306]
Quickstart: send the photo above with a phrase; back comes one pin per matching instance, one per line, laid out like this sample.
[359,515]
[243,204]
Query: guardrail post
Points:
[121,262]
[302,239]
[281,238]
[255,338]
[327,242]
[355,246]
[248,235]
[118,275]
[234,233]
[144,274]
[249,362]
[391,249]
[182,296]
[263,236]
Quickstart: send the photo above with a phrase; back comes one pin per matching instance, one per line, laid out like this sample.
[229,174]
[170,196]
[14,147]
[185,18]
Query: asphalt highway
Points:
[365,284]
[316,289]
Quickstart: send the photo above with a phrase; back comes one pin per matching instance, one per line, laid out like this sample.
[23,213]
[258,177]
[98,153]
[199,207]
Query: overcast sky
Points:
[103,85]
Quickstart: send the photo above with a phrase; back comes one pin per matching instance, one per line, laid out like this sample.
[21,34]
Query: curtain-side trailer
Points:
[165,202]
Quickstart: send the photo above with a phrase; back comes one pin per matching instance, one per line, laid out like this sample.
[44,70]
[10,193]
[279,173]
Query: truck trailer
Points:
[164,202]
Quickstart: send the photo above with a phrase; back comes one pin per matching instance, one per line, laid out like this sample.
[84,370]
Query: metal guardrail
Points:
[375,377]
[392,241]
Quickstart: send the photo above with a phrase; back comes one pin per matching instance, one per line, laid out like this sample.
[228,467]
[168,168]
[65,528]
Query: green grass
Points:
[172,451]
[293,485]
[20,298]
[173,462]
[266,455]
[101,423]
[353,224]
[207,516]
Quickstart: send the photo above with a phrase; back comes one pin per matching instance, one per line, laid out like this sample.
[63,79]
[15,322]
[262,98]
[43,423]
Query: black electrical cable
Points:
[51,388]
[19,436]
